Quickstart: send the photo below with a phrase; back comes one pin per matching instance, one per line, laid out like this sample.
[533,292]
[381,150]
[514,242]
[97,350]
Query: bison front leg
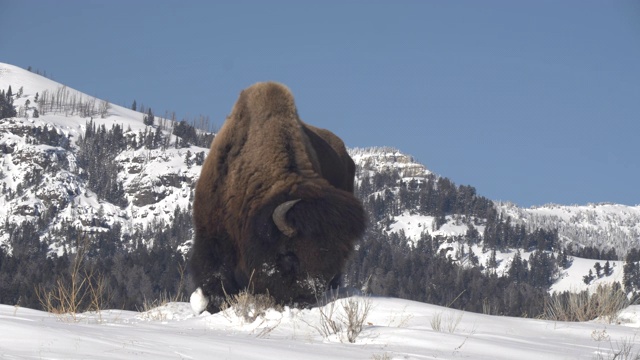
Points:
[212,268]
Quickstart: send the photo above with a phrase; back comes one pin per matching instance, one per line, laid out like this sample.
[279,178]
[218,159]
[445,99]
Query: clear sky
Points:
[532,102]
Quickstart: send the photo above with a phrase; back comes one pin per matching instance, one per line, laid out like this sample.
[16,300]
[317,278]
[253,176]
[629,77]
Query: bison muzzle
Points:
[274,209]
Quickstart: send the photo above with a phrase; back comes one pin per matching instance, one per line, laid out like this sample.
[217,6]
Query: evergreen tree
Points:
[149,118]
[518,272]
[7,109]
[492,262]
[588,278]
[598,268]
[631,276]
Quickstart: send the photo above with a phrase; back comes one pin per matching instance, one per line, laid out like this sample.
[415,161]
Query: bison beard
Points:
[274,206]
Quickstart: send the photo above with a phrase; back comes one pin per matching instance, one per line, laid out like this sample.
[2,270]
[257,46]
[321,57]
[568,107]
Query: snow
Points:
[159,175]
[385,158]
[571,278]
[393,329]
[414,225]
[604,226]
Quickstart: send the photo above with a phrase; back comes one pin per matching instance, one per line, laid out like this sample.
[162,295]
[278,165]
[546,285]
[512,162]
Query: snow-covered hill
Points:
[42,180]
[158,180]
[604,226]
[41,174]
[393,329]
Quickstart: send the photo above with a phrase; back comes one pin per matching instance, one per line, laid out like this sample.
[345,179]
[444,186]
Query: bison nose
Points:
[288,263]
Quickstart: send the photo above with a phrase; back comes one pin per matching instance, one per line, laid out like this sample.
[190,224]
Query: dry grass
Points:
[355,312]
[350,319]
[449,324]
[621,350]
[605,303]
[79,291]
[152,309]
[248,305]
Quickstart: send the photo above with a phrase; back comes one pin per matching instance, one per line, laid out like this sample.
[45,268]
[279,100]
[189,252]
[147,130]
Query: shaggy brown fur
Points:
[263,156]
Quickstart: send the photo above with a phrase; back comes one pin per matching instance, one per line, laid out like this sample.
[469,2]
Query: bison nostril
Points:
[288,262]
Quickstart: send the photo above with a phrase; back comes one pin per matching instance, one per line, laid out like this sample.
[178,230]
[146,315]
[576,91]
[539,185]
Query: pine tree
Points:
[588,278]
[598,268]
[149,118]
[492,262]
[157,138]
[7,109]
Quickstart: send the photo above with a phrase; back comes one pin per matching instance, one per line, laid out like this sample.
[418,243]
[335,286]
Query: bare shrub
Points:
[355,311]
[249,306]
[450,324]
[621,350]
[350,320]
[78,291]
[605,303]
[328,325]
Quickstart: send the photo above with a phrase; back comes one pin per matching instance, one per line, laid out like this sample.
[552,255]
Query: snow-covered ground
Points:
[394,329]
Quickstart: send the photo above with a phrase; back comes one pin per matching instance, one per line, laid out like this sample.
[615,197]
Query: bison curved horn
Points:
[279,217]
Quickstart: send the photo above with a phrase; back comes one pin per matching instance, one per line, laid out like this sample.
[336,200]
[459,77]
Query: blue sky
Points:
[532,102]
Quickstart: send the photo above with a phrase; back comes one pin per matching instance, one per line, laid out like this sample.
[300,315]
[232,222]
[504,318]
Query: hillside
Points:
[41,174]
[80,175]
[604,226]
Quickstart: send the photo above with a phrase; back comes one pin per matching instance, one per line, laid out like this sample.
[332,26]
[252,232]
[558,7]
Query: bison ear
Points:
[280,217]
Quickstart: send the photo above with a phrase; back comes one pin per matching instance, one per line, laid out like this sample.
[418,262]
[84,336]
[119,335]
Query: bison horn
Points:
[279,217]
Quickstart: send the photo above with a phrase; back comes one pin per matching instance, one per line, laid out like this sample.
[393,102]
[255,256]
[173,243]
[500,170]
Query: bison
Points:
[274,208]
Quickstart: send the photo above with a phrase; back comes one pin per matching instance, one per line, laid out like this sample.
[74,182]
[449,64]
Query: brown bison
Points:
[274,207]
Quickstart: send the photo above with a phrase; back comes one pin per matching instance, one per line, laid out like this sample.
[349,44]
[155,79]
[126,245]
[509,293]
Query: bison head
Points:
[301,255]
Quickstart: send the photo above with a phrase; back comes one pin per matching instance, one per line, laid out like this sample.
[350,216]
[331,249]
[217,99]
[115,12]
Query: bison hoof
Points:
[198,301]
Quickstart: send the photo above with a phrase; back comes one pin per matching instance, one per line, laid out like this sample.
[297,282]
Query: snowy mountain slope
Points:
[40,173]
[604,226]
[381,159]
[161,174]
[393,329]
[41,180]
